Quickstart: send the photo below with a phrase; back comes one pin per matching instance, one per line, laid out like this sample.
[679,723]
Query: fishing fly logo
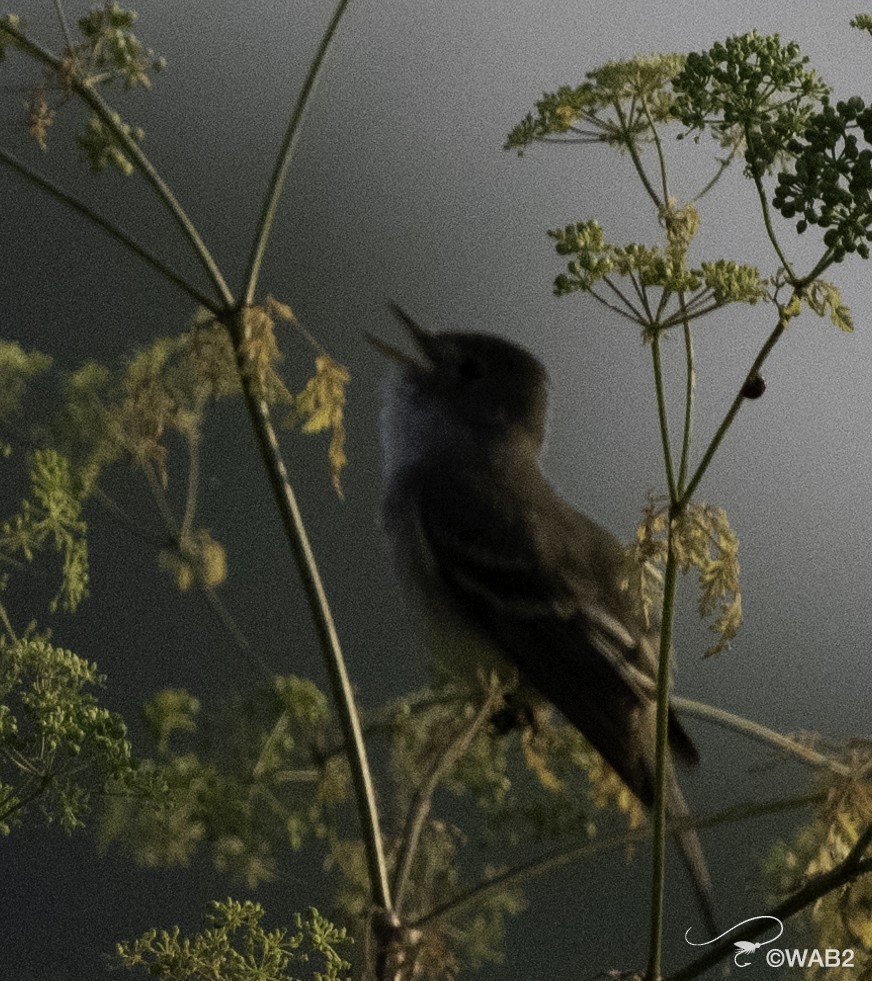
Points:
[779,956]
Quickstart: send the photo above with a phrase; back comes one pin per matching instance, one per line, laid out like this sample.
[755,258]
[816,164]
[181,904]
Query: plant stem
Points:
[770,231]
[114,230]
[633,150]
[658,861]
[286,155]
[541,865]
[662,415]
[689,390]
[423,798]
[343,696]
[95,101]
[761,733]
[733,410]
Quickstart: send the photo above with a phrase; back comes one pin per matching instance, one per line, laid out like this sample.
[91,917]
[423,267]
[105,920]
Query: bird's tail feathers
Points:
[691,851]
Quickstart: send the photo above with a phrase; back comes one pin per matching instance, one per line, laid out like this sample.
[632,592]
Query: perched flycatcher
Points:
[509,575]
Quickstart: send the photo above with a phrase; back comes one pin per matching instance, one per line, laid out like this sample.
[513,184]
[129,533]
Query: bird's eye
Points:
[470,369]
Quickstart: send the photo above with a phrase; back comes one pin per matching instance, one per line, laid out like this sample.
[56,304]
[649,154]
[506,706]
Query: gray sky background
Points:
[401,191]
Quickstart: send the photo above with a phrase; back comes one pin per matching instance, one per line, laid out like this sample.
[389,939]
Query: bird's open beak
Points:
[423,339]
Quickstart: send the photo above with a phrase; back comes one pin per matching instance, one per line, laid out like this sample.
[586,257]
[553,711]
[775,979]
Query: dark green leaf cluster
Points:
[863,22]
[831,183]
[57,745]
[235,946]
[749,88]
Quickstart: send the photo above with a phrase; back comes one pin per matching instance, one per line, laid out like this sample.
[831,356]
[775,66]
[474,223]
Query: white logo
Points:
[743,947]
[778,957]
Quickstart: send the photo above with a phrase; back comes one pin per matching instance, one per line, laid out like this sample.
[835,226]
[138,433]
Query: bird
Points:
[507,574]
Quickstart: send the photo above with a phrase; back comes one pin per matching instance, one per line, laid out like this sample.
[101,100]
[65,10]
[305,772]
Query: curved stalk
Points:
[733,410]
[110,228]
[423,799]
[658,861]
[537,867]
[853,866]
[689,391]
[633,150]
[662,416]
[286,155]
[343,696]
[760,733]
[95,101]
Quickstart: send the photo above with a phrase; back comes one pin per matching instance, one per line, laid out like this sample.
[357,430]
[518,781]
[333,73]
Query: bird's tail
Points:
[691,851]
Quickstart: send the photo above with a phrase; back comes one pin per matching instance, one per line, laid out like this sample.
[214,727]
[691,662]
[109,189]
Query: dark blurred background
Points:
[400,190]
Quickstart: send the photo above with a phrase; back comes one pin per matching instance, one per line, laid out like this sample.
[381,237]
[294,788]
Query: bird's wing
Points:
[538,579]
[543,582]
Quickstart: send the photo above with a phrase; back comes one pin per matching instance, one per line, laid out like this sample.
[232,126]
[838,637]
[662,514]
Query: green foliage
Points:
[57,745]
[17,368]
[684,293]
[235,946]
[107,52]
[248,793]
[703,541]
[51,514]
[863,22]
[751,89]
[102,147]
[842,918]
[620,103]
[111,51]
[825,299]
[831,182]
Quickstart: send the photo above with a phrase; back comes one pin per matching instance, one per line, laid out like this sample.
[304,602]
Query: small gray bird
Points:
[508,575]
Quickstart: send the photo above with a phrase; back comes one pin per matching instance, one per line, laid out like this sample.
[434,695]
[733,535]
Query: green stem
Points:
[733,410]
[689,390]
[761,733]
[770,231]
[662,415]
[658,861]
[633,150]
[659,147]
[343,695]
[423,798]
[94,100]
[117,233]
[533,869]
[286,155]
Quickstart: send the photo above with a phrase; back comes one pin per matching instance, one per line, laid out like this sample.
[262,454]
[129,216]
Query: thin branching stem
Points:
[285,157]
[661,158]
[662,415]
[770,231]
[322,616]
[533,869]
[92,98]
[733,410]
[689,391]
[658,859]
[633,150]
[110,228]
[423,798]
[761,733]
